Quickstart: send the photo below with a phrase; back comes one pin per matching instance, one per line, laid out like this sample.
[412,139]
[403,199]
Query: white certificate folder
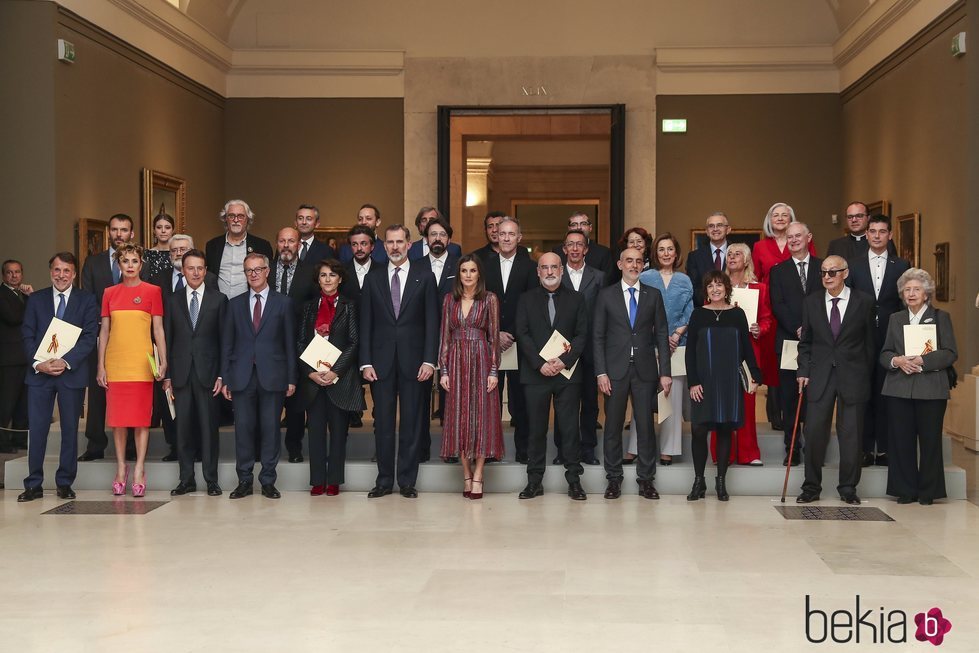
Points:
[557,345]
[60,338]
[920,339]
[320,354]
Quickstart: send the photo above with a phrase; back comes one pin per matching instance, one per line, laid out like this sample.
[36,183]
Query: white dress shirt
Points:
[402,276]
[915,318]
[361,271]
[844,298]
[626,295]
[805,261]
[251,300]
[438,266]
[576,275]
[200,296]
[173,279]
[723,249]
[506,265]
[55,293]
[309,245]
[878,266]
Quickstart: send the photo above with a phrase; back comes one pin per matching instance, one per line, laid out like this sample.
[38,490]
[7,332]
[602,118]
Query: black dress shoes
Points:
[378,491]
[532,490]
[451,460]
[243,490]
[183,488]
[521,459]
[576,492]
[409,492]
[213,490]
[30,494]
[589,459]
[881,460]
[356,421]
[807,497]
[296,458]
[906,500]
[795,459]
[558,460]
[851,499]
[424,458]
[89,456]
[925,502]
[628,461]
[170,457]
[613,490]
[647,490]
[269,492]
[868,459]
[65,492]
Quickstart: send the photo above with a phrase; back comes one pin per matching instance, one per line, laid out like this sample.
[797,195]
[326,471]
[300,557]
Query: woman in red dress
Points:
[132,319]
[741,272]
[771,250]
[469,357]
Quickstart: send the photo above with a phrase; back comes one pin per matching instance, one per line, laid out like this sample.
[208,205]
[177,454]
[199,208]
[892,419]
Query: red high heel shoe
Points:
[476,495]
[119,489]
[317,490]
[139,489]
[332,490]
[467,493]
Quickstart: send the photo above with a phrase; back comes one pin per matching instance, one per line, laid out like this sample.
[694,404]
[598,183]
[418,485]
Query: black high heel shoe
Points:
[721,489]
[698,490]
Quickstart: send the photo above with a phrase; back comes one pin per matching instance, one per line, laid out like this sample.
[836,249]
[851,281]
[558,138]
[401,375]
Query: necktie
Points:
[396,292]
[116,272]
[195,309]
[180,283]
[717,259]
[633,307]
[302,254]
[835,322]
[802,275]
[60,312]
[550,308]
[284,281]
[257,313]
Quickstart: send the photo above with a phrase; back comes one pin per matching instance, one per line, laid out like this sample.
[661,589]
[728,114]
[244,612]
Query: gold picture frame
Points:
[880,207]
[698,237]
[166,193]
[91,238]
[324,234]
[907,238]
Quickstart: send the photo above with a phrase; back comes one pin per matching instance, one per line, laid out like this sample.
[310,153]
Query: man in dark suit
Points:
[258,362]
[599,256]
[491,224]
[542,310]
[444,265]
[360,240]
[192,323]
[629,330]
[876,273]
[419,248]
[63,378]
[226,253]
[311,249]
[98,273]
[509,275]
[787,291]
[586,280]
[398,352]
[854,243]
[368,216]
[836,360]
[713,256]
[13,361]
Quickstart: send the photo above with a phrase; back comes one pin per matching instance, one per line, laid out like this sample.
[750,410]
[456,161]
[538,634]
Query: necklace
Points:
[717,314]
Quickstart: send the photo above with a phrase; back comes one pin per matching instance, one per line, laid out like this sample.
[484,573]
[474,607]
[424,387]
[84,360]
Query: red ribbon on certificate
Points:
[53,347]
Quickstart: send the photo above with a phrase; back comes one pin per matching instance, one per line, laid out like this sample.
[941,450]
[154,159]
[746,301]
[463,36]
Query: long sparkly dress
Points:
[129,397]
[469,353]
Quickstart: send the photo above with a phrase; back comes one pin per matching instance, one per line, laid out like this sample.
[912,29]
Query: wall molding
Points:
[870,25]
[316,73]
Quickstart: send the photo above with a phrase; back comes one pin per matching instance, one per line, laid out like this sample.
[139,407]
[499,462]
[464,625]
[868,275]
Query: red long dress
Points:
[469,353]
[765,255]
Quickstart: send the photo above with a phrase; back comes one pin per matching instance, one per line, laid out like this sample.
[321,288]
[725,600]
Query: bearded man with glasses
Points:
[226,253]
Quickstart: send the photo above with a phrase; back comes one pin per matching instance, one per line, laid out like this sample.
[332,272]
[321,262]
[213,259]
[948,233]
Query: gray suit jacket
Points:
[932,383]
[592,280]
[613,338]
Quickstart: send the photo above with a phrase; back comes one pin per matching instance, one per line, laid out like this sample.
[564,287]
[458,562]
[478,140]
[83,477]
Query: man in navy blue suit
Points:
[64,377]
[311,249]
[419,248]
[398,351]
[258,362]
[711,257]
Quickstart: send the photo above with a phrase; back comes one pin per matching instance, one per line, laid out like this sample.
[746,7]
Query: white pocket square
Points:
[928,320]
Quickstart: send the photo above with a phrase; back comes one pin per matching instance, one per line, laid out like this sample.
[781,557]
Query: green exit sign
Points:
[674,125]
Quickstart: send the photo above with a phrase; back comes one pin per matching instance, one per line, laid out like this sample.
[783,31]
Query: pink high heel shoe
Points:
[119,489]
[139,489]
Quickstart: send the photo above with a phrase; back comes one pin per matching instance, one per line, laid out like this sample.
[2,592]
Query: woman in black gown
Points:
[718,342]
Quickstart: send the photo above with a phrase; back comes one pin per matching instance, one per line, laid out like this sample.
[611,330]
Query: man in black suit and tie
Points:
[258,362]
[420,248]
[789,283]
[876,273]
[13,362]
[368,216]
[588,281]
[711,257]
[398,352]
[509,275]
[226,253]
[836,360]
[629,330]
[542,310]
[360,240]
[444,265]
[311,249]
[599,256]
[192,323]
[491,224]
[98,273]
[63,377]
[854,243]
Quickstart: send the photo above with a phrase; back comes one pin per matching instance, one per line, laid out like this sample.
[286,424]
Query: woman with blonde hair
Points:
[772,249]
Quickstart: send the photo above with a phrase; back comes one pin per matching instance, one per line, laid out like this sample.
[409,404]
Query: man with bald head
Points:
[628,331]
[836,360]
[541,311]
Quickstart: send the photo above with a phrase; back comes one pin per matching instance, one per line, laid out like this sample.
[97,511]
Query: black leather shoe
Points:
[243,490]
[851,499]
[906,500]
[613,490]
[925,502]
[269,492]
[378,491]
[65,492]
[721,488]
[30,494]
[170,457]
[628,461]
[807,497]
[521,459]
[89,456]
[576,492]
[698,490]
[868,459]
[589,459]
[183,488]
[558,460]
[296,458]
[409,492]
[356,421]
[424,458]
[213,490]
[666,461]
[647,490]
[881,460]
[532,490]
[450,460]
[796,459]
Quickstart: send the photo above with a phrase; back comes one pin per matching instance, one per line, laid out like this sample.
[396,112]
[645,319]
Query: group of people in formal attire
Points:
[185,333]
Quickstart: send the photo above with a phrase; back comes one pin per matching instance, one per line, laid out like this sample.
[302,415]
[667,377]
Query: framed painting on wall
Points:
[907,232]
[336,234]
[941,272]
[91,237]
[880,207]
[162,193]
[698,238]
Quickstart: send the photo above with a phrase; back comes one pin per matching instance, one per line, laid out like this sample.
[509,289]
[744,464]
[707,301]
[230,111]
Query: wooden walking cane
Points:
[788,462]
